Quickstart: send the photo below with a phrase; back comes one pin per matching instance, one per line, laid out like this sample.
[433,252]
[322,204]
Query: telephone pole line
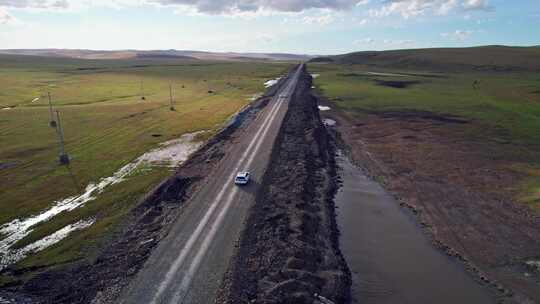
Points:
[52,122]
[64,158]
[142,91]
[171,100]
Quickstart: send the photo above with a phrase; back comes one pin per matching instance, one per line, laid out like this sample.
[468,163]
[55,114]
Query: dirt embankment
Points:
[461,189]
[101,279]
[289,252]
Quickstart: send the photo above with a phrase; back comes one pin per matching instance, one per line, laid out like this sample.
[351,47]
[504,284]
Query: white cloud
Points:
[477,5]
[460,35]
[318,20]
[446,7]
[234,6]
[37,4]
[365,41]
[413,8]
[406,8]
[383,8]
[387,42]
[361,22]
[397,42]
[5,17]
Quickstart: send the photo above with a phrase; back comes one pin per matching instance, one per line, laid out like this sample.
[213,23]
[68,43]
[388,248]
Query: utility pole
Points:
[64,158]
[52,123]
[170,93]
[142,91]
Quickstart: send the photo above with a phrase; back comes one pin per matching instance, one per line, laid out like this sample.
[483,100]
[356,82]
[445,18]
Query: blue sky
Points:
[296,26]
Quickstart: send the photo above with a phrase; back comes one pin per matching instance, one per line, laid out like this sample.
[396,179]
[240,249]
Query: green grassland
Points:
[483,58]
[505,106]
[107,125]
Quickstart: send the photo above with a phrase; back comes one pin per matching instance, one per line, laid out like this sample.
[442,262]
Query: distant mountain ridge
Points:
[482,58]
[132,54]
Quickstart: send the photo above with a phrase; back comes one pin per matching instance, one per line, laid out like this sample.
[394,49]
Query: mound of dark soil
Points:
[397,84]
[289,252]
[412,115]
[351,75]
[7,165]
[321,59]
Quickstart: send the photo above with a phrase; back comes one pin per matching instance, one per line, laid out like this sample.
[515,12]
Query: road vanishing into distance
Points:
[189,263]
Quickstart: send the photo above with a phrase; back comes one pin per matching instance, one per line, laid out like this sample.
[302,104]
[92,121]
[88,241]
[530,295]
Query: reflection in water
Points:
[390,258]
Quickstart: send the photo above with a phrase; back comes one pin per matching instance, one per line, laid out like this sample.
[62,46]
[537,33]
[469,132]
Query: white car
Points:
[242,178]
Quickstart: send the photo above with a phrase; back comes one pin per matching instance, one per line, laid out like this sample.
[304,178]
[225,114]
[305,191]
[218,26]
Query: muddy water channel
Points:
[390,258]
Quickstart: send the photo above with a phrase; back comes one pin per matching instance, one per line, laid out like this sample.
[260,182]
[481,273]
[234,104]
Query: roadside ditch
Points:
[457,189]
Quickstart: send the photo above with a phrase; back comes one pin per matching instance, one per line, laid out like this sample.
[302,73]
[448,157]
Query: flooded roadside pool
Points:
[329,122]
[390,259]
[169,154]
[271,82]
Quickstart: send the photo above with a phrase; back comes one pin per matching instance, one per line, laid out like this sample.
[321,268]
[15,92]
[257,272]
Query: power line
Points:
[64,158]
[171,100]
[52,122]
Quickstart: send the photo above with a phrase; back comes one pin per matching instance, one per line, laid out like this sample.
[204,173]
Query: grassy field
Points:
[107,125]
[504,105]
[483,58]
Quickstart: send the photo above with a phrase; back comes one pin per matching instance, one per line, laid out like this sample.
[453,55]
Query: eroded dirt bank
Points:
[288,252]
[460,188]
[100,279]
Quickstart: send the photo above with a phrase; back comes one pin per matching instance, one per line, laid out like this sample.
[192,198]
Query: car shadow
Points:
[252,187]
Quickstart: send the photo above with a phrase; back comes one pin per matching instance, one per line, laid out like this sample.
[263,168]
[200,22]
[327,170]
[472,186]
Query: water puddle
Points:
[324,108]
[390,258]
[16,255]
[7,165]
[170,154]
[533,264]
[255,96]
[329,122]
[271,82]
[385,74]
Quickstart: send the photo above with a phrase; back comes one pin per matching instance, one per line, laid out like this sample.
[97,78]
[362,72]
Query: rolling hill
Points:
[132,54]
[484,58]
